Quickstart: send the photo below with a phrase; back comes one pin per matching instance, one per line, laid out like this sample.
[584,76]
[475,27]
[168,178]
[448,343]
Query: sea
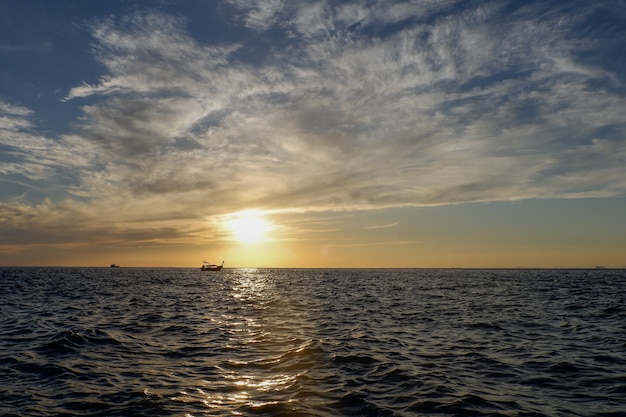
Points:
[312,342]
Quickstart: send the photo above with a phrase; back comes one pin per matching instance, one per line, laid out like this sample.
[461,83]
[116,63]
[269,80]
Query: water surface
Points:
[279,342]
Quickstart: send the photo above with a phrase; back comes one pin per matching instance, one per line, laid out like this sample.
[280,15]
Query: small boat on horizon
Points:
[115,266]
[211,267]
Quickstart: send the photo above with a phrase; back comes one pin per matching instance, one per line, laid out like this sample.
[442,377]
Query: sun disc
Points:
[249,228]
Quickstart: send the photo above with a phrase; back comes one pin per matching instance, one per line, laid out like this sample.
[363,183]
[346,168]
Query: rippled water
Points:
[271,342]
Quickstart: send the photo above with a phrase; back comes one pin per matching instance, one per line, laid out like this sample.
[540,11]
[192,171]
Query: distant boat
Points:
[211,267]
[114,266]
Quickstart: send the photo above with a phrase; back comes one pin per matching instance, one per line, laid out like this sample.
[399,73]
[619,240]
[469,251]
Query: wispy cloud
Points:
[352,107]
[383,226]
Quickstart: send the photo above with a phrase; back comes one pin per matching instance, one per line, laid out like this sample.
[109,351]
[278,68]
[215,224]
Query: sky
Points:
[274,133]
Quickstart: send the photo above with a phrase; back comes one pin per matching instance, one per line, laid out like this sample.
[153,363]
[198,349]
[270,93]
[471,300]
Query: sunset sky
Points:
[275,133]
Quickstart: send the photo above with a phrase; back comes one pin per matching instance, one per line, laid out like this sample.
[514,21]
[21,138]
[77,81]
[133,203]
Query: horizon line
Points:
[598,267]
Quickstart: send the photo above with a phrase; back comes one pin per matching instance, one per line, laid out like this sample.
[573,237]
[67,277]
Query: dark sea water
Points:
[278,342]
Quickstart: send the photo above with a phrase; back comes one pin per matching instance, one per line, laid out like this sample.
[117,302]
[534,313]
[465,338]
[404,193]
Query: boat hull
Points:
[212,267]
[209,268]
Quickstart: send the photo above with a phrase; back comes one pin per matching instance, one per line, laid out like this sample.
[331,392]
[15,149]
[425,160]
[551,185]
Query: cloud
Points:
[350,107]
[13,120]
[383,226]
[29,160]
[260,14]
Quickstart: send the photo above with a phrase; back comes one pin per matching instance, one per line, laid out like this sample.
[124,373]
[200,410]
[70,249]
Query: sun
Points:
[249,227]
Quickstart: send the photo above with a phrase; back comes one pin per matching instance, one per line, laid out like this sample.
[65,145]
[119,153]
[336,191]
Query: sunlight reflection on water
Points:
[251,330]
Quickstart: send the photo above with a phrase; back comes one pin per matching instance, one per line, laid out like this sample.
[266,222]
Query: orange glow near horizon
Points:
[464,236]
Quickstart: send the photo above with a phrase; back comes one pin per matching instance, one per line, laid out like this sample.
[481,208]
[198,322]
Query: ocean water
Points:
[280,342]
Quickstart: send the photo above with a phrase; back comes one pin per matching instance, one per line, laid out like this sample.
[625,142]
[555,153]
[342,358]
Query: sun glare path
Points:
[249,227]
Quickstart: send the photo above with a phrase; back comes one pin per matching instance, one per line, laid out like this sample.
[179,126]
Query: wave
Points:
[73,340]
